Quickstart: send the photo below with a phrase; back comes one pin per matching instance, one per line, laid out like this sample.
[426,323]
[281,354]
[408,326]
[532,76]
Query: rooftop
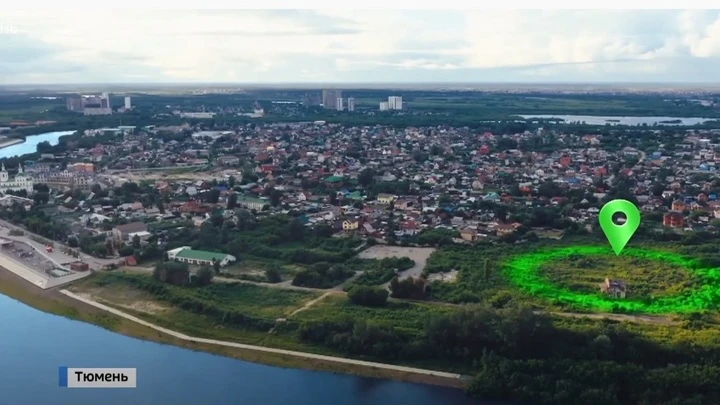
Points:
[201,255]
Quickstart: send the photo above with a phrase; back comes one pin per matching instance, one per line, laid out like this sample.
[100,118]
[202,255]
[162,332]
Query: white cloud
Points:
[334,45]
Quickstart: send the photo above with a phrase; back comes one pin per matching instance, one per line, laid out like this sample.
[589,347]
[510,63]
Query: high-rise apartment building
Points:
[351,104]
[395,102]
[90,105]
[384,106]
[105,100]
[330,98]
[339,104]
[74,103]
[128,103]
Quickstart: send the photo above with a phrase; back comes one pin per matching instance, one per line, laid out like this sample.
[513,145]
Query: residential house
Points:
[385,198]
[350,225]
[614,288]
[123,232]
[674,219]
[469,234]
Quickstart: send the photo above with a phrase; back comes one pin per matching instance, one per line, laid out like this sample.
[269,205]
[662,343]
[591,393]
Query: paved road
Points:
[182,336]
[57,255]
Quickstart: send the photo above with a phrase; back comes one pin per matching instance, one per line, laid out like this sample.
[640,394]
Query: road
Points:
[285,285]
[185,337]
[655,320]
[57,255]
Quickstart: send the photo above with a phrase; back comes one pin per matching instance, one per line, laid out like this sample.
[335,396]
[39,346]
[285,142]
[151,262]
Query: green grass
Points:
[409,316]
[523,271]
[34,111]
[251,300]
[644,278]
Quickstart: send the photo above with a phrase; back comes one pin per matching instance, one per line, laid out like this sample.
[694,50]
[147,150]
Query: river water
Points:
[30,145]
[600,120]
[33,344]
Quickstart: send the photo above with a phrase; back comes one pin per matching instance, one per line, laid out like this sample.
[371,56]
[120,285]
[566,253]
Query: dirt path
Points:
[310,303]
[182,336]
[648,319]
[656,320]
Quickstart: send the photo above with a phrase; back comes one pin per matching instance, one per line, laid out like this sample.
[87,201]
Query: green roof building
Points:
[334,179]
[187,255]
[251,203]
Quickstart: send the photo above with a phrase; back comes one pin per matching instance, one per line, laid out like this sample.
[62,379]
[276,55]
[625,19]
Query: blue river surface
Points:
[30,145]
[33,344]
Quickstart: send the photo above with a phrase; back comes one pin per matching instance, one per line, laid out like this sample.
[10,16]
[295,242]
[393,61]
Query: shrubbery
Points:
[368,296]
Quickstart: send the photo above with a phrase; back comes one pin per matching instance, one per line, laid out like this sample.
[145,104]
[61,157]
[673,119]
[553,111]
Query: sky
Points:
[326,46]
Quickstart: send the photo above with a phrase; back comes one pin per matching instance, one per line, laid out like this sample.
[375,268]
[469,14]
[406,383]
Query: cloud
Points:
[359,45]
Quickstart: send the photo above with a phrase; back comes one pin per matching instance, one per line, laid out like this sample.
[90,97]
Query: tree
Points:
[161,206]
[216,266]
[232,201]
[204,275]
[275,197]
[365,178]
[136,242]
[368,296]
[273,275]
[213,196]
[126,251]
[172,273]
[231,181]
[412,288]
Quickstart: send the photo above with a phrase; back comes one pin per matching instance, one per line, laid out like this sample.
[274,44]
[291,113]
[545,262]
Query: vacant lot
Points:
[419,255]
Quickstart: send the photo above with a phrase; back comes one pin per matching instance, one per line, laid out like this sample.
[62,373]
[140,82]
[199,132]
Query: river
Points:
[601,120]
[33,344]
[30,145]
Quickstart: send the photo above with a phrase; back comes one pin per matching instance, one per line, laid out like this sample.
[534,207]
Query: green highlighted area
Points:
[675,283]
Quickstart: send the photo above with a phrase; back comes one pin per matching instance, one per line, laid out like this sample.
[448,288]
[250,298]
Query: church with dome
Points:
[19,182]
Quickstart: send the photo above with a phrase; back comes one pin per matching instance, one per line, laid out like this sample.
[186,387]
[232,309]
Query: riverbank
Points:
[11,142]
[55,302]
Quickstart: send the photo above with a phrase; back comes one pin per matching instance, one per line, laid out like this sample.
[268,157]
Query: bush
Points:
[368,296]
[126,251]
[203,276]
[322,275]
[273,275]
[411,288]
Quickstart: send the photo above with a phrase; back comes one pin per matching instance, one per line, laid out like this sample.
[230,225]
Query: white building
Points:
[395,102]
[200,115]
[351,104]
[198,257]
[384,106]
[128,104]
[20,182]
[339,104]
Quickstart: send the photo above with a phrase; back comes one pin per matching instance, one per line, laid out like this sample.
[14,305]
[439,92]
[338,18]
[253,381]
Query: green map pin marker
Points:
[619,235]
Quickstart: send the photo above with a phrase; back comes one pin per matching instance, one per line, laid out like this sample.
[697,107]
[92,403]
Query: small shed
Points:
[614,288]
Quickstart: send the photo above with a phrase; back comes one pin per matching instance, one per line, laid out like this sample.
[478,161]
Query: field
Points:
[251,300]
[644,279]
[512,325]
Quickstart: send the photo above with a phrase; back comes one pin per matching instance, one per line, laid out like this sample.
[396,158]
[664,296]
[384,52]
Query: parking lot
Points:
[30,257]
[419,255]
